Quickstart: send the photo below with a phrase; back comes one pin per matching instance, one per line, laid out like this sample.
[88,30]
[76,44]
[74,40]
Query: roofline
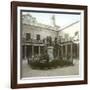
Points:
[69,26]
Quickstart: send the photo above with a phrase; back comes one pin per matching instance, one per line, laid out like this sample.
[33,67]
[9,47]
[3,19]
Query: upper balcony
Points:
[48,42]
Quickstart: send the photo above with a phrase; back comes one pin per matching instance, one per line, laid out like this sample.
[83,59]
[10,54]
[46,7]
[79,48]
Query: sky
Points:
[60,19]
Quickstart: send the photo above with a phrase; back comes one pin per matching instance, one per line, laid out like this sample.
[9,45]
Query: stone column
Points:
[66,51]
[77,51]
[62,51]
[39,51]
[25,49]
[71,53]
[32,50]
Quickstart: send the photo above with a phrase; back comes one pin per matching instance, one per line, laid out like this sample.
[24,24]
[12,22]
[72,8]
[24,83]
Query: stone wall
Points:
[71,29]
[34,30]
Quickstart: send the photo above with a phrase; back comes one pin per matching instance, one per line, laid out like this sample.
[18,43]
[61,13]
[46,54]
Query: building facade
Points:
[37,37]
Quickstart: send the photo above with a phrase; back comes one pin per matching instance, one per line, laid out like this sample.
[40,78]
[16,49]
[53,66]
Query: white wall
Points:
[71,30]
[5,45]
[43,32]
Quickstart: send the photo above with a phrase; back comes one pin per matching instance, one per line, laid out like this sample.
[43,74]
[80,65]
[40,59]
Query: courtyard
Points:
[50,48]
[27,71]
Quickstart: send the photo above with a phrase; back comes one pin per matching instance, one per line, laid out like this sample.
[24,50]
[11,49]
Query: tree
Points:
[49,40]
[76,33]
[56,47]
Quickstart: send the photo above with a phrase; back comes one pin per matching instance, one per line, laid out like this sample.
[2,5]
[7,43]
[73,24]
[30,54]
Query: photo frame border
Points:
[14,5]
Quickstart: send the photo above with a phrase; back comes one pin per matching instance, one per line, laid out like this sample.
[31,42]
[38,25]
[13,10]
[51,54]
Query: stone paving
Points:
[27,71]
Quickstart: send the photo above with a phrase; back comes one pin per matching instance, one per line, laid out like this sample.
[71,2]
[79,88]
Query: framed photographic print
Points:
[48,44]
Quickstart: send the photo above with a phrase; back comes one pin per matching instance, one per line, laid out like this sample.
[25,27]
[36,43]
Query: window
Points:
[28,36]
[38,37]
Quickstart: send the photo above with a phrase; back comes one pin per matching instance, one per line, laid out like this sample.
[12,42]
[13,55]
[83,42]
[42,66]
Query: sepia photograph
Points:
[49,44]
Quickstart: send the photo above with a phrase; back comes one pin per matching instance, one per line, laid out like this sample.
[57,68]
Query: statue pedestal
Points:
[50,53]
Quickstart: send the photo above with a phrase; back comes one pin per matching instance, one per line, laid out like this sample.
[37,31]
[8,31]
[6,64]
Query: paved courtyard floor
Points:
[27,71]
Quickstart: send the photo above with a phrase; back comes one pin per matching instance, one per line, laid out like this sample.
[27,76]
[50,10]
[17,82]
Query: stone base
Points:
[50,52]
